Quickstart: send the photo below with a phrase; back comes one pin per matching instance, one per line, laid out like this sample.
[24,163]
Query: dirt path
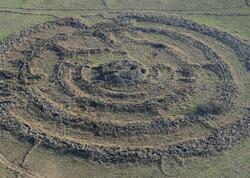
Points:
[123,9]
[22,171]
[204,3]
[28,13]
[29,152]
[105,4]
[26,157]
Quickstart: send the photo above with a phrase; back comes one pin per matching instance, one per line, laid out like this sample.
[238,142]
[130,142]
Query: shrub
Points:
[210,108]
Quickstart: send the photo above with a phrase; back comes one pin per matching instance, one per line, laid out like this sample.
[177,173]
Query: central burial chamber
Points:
[119,73]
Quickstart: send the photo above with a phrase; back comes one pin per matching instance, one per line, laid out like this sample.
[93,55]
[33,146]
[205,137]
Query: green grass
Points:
[238,25]
[12,149]
[134,4]
[6,173]
[173,4]
[85,4]
[11,23]
[18,3]
[70,4]
[63,166]
[232,164]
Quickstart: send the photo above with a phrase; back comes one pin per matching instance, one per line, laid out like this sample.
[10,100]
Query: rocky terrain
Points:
[112,92]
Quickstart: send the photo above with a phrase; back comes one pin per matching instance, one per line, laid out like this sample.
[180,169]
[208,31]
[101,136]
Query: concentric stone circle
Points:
[130,90]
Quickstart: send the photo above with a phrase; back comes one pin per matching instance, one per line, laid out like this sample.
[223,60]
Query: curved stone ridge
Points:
[130,90]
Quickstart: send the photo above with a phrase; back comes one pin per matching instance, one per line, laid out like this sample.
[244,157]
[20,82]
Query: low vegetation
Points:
[128,91]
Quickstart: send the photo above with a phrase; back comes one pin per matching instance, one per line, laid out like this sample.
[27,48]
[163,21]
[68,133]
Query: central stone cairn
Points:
[119,73]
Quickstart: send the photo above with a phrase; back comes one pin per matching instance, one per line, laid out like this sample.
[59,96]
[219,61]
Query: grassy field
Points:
[16,22]
[51,4]
[172,4]
[232,16]
[233,163]
[134,4]
[237,25]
